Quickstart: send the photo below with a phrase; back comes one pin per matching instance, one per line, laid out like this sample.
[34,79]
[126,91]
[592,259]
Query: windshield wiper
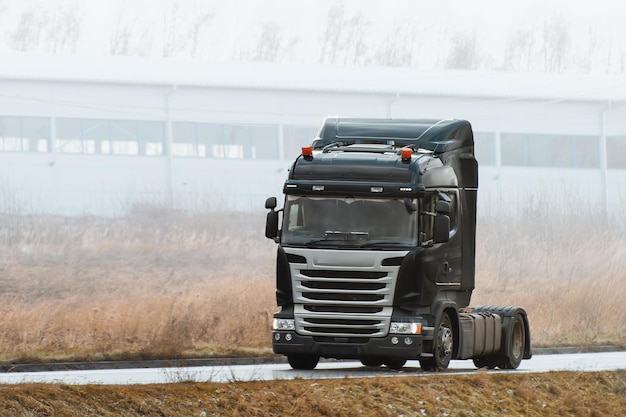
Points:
[337,238]
[384,244]
[345,236]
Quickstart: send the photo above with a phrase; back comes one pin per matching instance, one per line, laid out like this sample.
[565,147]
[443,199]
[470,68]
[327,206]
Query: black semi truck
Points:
[376,248]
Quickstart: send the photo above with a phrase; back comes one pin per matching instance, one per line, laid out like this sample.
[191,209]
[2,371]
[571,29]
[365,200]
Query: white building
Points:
[96,135]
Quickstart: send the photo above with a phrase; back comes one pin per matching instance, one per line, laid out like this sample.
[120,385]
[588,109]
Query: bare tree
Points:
[63,29]
[128,38]
[47,30]
[555,43]
[197,28]
[270,46]
[519,53]
[344,37]
[463,52]
[356,45]
[333,31]
[398,46]
[27,34]
[183,30]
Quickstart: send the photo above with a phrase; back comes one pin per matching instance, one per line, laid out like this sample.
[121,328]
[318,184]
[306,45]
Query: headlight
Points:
[284,324]
[405,328]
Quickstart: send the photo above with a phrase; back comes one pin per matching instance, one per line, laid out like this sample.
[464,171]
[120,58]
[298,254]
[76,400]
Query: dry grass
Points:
[480,394]
[566,272]
[161,283]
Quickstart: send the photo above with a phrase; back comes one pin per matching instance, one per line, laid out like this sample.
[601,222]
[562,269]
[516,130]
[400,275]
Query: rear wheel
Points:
[442,346]
[303,362]
[516,342]
[489,362]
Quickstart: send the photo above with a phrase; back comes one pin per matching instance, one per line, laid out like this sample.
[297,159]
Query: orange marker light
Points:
[307,150]
[406,153]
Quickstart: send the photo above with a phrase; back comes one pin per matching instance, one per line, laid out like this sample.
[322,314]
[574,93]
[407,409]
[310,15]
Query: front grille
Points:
[351,286]
[343,309]
[347,296]
[345,326]
[343,274]
[343,294]
[341,286]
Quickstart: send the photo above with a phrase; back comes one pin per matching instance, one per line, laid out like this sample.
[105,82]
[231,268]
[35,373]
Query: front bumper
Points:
[406,346]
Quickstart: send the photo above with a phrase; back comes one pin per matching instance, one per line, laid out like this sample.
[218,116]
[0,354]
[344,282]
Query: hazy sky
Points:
[236,25]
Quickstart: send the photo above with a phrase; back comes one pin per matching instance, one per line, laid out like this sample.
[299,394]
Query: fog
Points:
[557,36]
[566,58]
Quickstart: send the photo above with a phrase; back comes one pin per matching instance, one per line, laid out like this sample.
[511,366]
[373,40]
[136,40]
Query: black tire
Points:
[515,344]
[395,363]
[303,362]
[373,362]
[443,344]
[489,362]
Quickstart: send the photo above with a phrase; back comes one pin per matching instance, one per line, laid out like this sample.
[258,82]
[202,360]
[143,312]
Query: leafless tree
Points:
[183,30]
[51,30]
[398,46]
[271,45]
[463,52]
[344,38]
[356,45]
[128,38]
[28,32]
[520,49]
[594,52]
[63,29]
[333,30]
[555,43]
[197,28]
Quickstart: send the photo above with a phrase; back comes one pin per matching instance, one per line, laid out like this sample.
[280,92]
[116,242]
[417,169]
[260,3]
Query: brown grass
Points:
[164,284]
[480,394]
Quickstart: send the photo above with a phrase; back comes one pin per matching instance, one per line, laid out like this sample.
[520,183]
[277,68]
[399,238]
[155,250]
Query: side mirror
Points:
[441,232]
[270,203]
[271,222]
[271,225]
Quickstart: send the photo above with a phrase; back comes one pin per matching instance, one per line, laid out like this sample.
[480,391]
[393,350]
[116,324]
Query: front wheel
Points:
[373,362]
[442,346]
[303,362]
[395,363]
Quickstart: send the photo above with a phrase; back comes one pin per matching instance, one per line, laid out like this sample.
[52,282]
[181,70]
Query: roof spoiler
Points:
[436,135]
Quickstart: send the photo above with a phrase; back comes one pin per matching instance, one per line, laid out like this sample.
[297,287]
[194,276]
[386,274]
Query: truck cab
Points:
[376,248]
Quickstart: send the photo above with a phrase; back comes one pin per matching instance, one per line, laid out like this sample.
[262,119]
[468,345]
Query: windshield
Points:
[349,222]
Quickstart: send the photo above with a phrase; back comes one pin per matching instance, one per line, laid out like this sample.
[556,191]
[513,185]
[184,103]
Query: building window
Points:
[69,137]
[225,141]
[556,151]
[112,137]
[24,134]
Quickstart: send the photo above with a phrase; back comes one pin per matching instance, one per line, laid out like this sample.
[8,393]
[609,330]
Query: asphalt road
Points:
[331,369]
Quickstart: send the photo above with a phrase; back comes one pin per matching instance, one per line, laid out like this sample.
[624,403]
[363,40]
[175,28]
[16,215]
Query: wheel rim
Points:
[517,341]
[445,342]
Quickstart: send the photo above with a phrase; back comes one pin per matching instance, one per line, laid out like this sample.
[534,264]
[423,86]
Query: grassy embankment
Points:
[164,284]
[480,394]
